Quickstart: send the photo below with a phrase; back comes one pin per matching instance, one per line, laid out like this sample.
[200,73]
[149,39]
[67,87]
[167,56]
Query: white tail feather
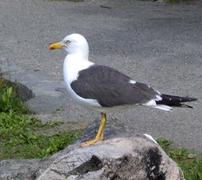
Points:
[152,103]
[163,107]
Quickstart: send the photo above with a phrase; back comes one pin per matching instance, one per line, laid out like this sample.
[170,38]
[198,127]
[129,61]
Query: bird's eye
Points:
[66,41]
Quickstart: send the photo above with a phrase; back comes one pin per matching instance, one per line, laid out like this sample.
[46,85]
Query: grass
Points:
[9,100]
[19,137]
[190,163]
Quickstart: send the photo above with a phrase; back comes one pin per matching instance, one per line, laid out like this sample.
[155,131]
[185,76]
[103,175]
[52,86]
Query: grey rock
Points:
[135,158]
[127,157]
[23,92]
[18,169]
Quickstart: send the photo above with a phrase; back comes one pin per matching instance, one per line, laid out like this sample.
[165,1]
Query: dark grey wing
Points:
[110,87]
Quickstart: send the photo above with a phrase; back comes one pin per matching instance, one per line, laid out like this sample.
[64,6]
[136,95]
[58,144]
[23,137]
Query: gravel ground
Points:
[152,42]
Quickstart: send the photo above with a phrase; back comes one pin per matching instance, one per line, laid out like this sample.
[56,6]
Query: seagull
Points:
[105,89]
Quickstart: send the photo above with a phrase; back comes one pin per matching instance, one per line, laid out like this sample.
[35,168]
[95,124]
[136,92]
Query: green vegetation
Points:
[191,164]
[19,138]
[19,133]
[9,100]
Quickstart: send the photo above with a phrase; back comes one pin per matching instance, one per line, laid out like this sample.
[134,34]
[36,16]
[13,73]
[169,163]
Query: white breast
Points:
[72,65]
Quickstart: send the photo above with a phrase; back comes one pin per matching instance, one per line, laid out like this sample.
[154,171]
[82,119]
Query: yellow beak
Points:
[56,45]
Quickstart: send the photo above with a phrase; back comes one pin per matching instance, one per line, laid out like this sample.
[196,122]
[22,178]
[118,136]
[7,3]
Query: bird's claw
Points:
[91,142]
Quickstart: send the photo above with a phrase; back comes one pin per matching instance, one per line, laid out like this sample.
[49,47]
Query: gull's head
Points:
[73,44]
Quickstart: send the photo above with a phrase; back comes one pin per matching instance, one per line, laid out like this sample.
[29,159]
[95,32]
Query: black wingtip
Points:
[186,106]
[178,98]
[192,99]
[176,101]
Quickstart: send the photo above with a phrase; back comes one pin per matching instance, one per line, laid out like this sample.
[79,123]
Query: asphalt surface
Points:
[152,42]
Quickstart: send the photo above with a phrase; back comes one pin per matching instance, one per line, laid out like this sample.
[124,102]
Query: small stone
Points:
[191,156]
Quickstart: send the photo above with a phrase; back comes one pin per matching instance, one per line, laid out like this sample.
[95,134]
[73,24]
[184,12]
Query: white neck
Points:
[77,56]
[73,64]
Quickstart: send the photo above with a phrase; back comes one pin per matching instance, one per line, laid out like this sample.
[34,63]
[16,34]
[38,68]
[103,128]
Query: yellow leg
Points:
[103,123]
[100,134]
